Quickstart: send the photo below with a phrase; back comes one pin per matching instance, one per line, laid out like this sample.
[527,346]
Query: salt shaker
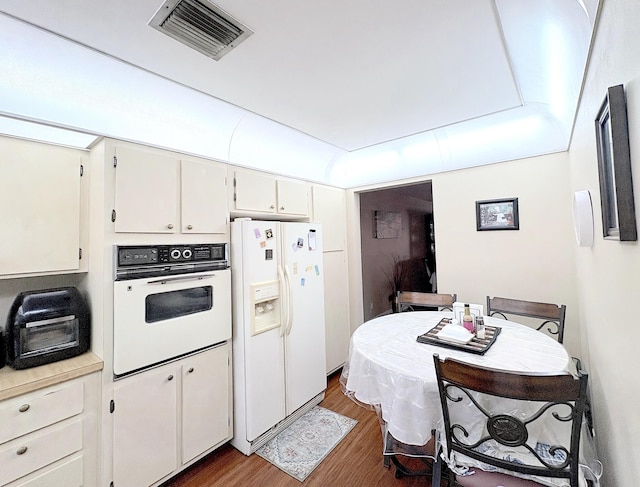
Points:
[480,330]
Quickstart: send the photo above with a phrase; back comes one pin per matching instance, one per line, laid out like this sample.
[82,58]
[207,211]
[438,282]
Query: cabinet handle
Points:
[190,370]
[22,450]
[189,227]
[170,226]
[281,208]
[24,408]
[271,207]
[170,377]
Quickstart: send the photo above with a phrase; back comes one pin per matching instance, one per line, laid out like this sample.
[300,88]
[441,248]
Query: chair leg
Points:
[436,478]
[403,471]
[386,462]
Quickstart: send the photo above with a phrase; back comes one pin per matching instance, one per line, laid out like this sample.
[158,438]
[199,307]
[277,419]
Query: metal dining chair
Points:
[515,424]
[395,451]
[552,314]
[412,300]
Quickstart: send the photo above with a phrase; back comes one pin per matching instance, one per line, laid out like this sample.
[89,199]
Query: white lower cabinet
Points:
[206,413]
[168,416]
[68,473]
[28,454]
[49,436]
[144,427]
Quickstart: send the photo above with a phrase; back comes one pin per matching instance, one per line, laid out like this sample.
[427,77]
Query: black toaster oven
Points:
[46,326]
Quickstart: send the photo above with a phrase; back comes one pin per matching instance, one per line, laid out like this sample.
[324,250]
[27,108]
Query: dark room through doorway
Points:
[397,244]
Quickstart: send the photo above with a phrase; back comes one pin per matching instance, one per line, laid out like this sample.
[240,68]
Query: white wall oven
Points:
[169,301]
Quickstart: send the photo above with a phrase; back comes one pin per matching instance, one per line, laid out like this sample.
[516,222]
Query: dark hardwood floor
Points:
[356,461]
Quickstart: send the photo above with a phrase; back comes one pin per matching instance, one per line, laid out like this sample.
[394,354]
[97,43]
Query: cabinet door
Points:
[205,401]
[329,208]
[254,192]
[65,473]
[145,427]
[336,309]
[39,208]
[32,452]
[292,197]
[146,196]
[203,197]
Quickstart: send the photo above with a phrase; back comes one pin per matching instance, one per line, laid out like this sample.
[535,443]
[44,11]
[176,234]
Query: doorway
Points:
[397,244]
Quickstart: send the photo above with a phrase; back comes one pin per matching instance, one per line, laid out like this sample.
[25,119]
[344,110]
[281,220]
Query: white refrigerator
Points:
[279,364]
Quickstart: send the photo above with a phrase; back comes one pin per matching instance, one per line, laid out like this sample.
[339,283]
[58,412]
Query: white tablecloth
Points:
[389,370]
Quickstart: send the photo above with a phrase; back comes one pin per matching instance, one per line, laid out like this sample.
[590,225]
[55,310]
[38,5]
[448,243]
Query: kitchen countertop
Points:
[17,382]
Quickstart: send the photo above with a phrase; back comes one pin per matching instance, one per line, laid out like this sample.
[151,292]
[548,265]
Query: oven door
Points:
[160,318]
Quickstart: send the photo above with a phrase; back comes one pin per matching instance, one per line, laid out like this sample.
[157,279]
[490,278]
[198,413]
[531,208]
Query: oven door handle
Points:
[181,278]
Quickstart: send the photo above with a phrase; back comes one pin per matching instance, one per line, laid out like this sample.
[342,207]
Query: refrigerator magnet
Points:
[312,239]
[317,269]
[302,281]
[268,233]
[256,233]
[268,254]
[300,242]
[295,267]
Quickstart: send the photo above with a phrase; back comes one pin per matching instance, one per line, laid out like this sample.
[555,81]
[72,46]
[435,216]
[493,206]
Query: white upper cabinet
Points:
[157,192]
[330,209]
[39,208]
[146,194]
[204,197]
[292,197]
[256,192]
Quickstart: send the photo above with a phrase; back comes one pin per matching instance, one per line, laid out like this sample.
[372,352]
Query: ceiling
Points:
[346,93]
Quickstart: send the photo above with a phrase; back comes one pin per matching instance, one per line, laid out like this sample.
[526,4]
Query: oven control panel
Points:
[153,260]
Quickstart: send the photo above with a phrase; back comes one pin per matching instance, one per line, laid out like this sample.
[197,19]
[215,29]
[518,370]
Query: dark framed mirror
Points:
[614,168]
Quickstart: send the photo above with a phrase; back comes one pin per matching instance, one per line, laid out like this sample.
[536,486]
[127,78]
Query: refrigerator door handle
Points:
[289,300]
[284,301]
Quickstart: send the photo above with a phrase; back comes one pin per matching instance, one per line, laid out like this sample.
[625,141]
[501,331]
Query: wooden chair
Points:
[492,416]
[409,300]
[552,314]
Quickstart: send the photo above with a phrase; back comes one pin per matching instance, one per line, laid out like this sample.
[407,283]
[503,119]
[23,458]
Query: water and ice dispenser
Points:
[265,306]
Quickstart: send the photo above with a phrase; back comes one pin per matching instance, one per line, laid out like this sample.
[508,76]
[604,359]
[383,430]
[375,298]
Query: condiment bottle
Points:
[480,330]
[467,319]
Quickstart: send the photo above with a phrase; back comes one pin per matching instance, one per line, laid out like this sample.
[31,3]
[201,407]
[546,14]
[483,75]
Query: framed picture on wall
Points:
[499,214]
[614,168]
[387,224]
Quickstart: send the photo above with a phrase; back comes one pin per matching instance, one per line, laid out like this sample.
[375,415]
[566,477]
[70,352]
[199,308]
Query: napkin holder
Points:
[475,309]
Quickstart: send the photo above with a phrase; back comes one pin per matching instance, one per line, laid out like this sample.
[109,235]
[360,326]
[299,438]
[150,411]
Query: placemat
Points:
[476,345]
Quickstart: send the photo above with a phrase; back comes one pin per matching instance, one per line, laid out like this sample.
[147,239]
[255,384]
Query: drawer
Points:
[32,452]
[68,473]
[30,412]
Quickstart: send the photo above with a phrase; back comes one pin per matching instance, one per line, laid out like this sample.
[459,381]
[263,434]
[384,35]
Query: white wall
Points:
[535,262]
[608,273]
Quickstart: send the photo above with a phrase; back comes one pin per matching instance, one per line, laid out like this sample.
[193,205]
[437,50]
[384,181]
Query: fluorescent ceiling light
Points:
[45,133]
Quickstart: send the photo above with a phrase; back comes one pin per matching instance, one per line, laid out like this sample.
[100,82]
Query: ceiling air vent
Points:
[201,25]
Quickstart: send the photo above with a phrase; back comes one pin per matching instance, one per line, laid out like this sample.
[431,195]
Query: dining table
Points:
[392,372]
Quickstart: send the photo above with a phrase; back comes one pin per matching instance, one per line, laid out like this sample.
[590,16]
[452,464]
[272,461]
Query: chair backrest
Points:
[551,314]
[495,416]
[408,300]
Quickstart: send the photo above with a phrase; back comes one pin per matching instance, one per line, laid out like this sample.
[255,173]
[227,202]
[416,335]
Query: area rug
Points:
[301,447]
